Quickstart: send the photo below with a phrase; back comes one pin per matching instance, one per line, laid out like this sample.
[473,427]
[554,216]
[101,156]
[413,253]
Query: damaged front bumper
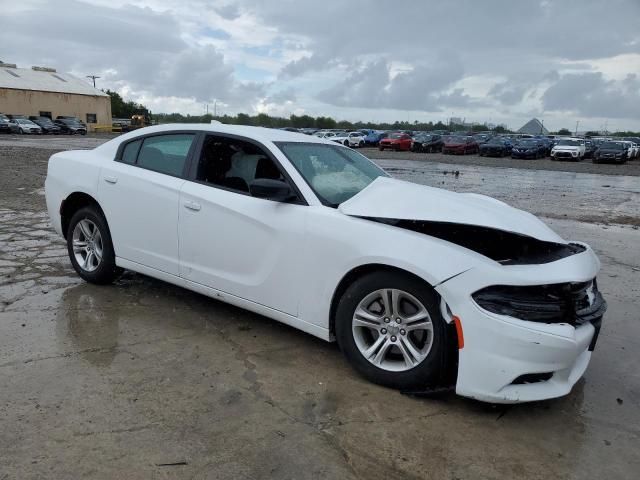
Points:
[513,351]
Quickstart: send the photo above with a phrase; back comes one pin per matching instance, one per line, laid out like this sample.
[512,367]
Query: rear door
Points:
[139,193]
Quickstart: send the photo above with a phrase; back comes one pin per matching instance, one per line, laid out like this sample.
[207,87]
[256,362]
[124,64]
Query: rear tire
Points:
[89,242]
[415,356]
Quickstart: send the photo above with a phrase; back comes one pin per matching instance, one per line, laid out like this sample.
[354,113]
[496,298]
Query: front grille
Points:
[563,154]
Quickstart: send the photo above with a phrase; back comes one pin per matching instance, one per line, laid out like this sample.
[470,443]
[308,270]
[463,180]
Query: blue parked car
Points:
[373,137]
[496,147]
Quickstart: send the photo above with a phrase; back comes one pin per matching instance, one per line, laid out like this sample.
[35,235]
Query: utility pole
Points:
[93,77]
[215,109]
[541,127]
[577,123]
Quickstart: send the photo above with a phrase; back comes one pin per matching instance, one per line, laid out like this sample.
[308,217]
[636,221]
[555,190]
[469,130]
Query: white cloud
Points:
[496,59]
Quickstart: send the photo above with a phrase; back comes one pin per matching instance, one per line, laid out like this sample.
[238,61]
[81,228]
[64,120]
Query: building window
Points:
[46,114]
[91,118]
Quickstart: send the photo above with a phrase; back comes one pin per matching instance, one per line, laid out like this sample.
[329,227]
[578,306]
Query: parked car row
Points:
[39,125]
[558,148]
[485,144]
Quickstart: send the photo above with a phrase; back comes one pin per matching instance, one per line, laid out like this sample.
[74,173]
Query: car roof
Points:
[260,134]
[257,133]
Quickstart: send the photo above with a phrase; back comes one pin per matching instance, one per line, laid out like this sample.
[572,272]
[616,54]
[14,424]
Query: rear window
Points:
[165,153]
[130,152]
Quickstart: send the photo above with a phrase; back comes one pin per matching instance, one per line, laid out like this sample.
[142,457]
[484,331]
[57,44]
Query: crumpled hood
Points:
[387,197]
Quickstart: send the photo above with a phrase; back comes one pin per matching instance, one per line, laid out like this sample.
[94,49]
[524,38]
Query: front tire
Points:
[90,247]
[390,328]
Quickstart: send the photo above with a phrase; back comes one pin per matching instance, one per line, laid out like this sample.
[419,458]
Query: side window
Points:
[234,164]
[165,153]
[130,152]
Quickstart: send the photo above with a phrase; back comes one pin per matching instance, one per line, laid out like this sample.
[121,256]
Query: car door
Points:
[234,242]
[140,191]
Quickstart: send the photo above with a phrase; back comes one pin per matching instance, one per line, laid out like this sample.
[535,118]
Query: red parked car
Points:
[460,145]
[396,141]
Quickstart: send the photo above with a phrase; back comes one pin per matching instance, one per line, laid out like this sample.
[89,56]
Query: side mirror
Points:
[270,189]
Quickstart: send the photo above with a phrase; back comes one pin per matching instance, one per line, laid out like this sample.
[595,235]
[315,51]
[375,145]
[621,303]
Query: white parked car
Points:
[349,139]
[324,134]
[22,125]
[568,149]
[421,287]
[632,150]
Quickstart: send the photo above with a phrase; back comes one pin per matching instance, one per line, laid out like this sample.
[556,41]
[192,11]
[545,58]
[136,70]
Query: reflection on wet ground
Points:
[145,380]
[579,196]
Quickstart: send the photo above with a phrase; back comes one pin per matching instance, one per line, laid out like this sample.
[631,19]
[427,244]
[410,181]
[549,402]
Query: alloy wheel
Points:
[392,329]
[87,245]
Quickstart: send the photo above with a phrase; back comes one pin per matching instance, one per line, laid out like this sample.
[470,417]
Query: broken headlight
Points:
[572,303]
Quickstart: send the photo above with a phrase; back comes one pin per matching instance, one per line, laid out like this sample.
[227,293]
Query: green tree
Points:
[564,131]
[325,122]
[263,120]
[243,119]
[121,108]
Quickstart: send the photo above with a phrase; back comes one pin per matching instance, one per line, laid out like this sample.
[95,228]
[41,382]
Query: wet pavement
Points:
[579,196]
[55,142]
[142,379]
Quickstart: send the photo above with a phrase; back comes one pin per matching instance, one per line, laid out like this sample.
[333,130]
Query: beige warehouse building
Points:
[45,92]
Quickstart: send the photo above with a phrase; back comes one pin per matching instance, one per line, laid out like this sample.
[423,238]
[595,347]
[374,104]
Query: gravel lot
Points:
[145,380]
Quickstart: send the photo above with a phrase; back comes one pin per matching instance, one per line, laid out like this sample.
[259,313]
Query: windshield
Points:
[396,135]
[3,118]
[571,143]
[495,141]
[528,143]
[454,140]
[334,173]
[612,146]
[23,121]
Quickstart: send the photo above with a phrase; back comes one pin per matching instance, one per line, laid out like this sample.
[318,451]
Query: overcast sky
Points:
[502,61]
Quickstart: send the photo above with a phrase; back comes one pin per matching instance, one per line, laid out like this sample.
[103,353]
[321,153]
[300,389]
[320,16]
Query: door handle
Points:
[111,180]
[192,206]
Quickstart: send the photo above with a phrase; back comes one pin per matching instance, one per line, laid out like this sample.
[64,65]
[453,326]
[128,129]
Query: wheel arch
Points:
[359,272]
[448,377]
[71,204]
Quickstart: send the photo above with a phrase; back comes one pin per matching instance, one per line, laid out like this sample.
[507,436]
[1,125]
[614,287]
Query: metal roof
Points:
[44,81]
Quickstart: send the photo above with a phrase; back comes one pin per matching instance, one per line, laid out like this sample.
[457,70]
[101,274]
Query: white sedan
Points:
[349,139]
[421,287]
